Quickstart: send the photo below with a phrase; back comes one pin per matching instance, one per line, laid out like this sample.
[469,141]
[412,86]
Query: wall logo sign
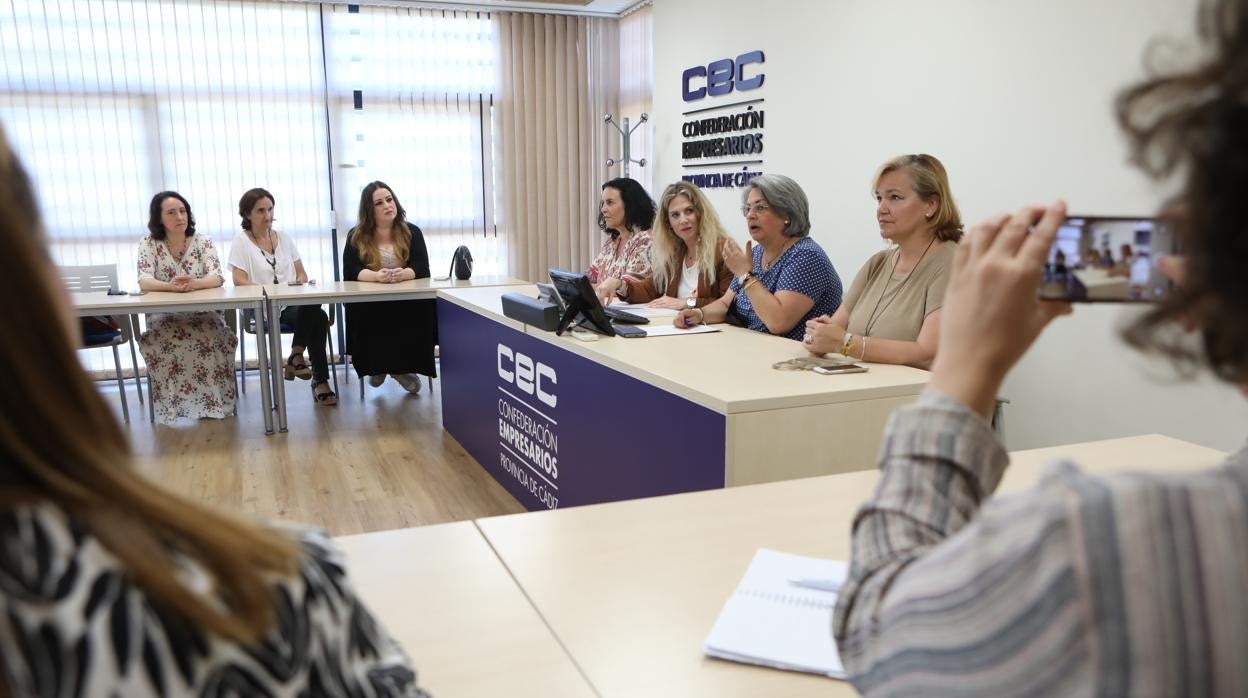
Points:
[725,136]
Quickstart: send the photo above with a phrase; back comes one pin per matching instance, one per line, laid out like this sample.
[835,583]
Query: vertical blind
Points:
[109,101]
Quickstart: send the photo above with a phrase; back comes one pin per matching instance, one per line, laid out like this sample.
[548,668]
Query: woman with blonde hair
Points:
[687,268]
[394,338]
[891,314]
[110,585]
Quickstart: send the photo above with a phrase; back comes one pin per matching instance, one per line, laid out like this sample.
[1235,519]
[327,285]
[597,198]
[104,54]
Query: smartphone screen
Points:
[1108,259]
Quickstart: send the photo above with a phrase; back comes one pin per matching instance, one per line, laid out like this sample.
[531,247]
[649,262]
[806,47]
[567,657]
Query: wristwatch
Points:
[691,302]
[849,337]
[746,277]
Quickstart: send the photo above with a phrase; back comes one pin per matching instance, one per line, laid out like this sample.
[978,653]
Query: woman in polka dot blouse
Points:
[784,278]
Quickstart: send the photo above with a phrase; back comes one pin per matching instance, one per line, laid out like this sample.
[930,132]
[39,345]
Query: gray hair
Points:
[786,198]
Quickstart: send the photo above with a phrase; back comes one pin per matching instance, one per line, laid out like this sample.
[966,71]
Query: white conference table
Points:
[632,588]
[335,292]
[449,601]
[220,298]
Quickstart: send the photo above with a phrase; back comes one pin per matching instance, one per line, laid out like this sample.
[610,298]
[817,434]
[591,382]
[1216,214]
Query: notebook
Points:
[773,622]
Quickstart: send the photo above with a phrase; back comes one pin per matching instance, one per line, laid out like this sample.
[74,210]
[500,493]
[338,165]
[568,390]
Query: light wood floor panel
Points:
[380,464]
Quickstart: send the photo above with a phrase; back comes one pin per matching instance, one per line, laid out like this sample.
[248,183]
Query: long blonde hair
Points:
[667,250]
[61,444]
[365,236]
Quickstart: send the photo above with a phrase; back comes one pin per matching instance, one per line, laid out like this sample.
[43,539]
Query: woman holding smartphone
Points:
[189,356]
[1126,585]
[261,255]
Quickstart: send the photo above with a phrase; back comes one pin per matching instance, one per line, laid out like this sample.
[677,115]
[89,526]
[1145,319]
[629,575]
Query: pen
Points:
[815,583]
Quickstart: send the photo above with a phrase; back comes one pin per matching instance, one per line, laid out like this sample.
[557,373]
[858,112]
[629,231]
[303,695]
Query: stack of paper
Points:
[775,619]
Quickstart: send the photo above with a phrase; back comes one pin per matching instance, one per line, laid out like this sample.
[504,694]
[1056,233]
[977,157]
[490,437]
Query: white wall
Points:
[1015,98]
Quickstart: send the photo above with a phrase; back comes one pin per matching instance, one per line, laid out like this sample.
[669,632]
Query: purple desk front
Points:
[557,429]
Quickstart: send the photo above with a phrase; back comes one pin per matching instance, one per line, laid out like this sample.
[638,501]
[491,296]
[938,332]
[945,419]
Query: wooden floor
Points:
[375,465]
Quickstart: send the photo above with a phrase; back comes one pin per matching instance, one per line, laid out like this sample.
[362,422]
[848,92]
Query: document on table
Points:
[642,310]
[781,615]
[661,330]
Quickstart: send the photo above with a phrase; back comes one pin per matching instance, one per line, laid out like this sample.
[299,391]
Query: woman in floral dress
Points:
[189,356]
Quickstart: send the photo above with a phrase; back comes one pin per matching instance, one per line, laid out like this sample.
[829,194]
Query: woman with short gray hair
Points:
[784,278]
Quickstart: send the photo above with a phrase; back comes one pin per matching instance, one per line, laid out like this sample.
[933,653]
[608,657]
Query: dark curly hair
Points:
[639,208]
[155,227]
[1195,122]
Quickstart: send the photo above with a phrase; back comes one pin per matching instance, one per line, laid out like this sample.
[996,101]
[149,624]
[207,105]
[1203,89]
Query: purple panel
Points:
[558,430]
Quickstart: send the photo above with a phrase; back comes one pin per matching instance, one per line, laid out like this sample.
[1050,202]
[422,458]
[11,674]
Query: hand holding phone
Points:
[1108,259]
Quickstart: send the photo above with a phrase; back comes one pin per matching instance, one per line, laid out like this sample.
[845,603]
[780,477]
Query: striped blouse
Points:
[1132,585]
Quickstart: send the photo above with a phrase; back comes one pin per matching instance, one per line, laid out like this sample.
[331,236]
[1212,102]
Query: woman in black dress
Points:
[394,338]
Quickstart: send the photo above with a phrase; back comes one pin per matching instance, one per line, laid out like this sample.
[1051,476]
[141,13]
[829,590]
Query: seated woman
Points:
[261,255]
[189,356]
[114,587]
[394,338]
[625,215]
[891,314]
[783,280]
[685,254]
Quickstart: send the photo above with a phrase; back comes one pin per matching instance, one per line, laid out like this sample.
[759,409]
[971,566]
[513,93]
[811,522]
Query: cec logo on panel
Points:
[530,377]
[721,77]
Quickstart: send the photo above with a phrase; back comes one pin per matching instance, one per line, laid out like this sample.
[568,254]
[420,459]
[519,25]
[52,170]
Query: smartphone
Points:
[1108,259]
[139,292]
[294,283]
[629,331]
[116,292]
[839,368]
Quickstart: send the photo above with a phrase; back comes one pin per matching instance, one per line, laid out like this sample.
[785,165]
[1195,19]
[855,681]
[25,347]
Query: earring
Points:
[786,222]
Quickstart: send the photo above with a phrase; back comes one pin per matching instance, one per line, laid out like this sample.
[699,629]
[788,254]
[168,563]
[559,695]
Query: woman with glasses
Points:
[189,356]
[783,278]
[391,338]
[261,255]
[688,269]
[625,215]
[891,313]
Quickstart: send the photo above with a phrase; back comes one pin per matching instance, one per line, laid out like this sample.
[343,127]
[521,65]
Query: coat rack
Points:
[626,136]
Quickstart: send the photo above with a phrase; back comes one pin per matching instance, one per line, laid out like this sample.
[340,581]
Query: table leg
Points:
[279,387]
[263,357]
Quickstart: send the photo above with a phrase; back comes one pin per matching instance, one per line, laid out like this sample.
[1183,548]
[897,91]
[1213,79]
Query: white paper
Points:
[667,330]
[773,622]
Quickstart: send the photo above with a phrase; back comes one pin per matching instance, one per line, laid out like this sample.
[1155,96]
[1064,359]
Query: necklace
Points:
[270,260]
[766,266]
[877,312]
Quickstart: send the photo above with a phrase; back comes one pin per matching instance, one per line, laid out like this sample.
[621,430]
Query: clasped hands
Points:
[182,283]
[391,276]
[823,336]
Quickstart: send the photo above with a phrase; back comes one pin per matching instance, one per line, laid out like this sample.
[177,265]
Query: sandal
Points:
[326,398]
[300,370]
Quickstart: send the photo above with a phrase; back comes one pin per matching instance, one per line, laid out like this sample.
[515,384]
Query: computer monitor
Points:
[579,300]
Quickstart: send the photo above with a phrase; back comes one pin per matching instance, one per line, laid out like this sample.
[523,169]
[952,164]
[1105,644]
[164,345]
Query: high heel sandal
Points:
[326,398]
[294,370]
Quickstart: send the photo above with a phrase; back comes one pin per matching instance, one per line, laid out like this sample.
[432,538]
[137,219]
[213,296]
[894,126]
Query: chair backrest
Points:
[92,277]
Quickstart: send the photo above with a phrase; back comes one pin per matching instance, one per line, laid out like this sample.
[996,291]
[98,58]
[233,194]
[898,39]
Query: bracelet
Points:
[864,348]
[749,279]
[701,316]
